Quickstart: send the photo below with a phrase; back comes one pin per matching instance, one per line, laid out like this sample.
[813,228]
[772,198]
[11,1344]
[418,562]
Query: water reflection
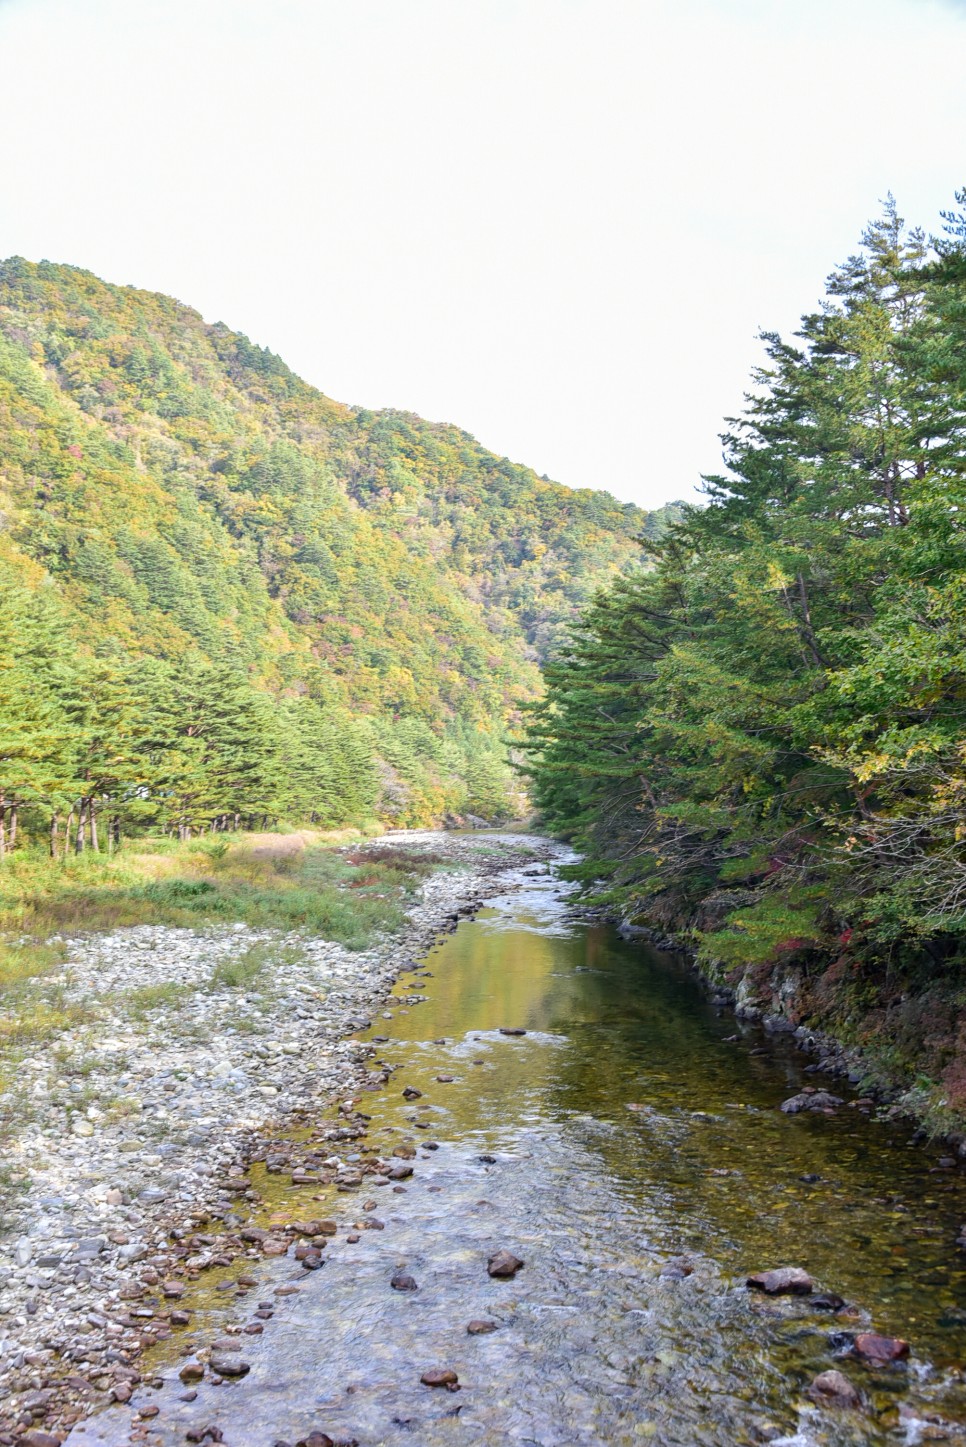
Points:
[628,1134]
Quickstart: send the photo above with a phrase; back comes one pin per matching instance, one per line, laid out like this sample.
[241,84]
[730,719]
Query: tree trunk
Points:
[116,831]
[81,839]
[54,823]
[3,828]
[92,818]
[13,826]
[70,820]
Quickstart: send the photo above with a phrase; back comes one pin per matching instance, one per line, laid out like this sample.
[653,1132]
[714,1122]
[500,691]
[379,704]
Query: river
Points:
[641,1168]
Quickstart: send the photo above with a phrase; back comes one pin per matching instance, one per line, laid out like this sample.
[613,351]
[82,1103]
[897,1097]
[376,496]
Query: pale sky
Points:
[557,223]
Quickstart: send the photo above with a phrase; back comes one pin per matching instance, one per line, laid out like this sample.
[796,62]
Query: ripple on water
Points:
[702,1179]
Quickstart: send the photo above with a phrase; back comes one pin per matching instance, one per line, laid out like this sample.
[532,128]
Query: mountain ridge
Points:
[183,490]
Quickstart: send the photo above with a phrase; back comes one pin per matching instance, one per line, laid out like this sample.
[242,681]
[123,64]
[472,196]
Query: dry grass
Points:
[266,880]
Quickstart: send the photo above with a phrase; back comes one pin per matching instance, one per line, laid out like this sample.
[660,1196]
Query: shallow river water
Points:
[593,1344]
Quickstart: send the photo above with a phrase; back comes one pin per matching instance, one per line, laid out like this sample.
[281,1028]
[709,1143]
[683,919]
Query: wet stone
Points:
[784,1281]
[440,1377]
[503,1264]
[827,1301]
[402,1281]
[230,1366]
[875,1348]
[811,1100]
[833,1389]
[480,1327]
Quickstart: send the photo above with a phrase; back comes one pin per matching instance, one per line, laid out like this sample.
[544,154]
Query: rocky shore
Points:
[134,1131]
[777,1001]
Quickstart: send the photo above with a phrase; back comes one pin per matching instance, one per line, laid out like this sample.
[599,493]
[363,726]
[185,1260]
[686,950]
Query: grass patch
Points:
[350,895]
[146,998]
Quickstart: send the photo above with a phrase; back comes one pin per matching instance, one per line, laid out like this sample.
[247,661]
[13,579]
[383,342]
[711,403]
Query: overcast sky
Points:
[558,223]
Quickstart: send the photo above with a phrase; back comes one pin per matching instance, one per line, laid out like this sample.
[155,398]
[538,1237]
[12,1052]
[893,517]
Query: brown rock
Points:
[439,1377]
[411,1093]
[146,1413]
[180,1317]
[833,1389]
[510,1030]
[192,1371]
[875,1348]
[503,1264]
[784,1281]
[446,1079]
[172,1289]
[274,1246]
[478,1327]
[36,1438]
[403,1282]
[316,1439]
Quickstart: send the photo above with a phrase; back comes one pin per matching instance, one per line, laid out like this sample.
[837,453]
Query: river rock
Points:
[402,1281]
[875,1348]
[230,1366]
[192,1371]
[811,1100]
[479,1327]
[783,1281]
[833,1389]
[411,1093]
[511,1030]
[503,1264]
[439,1377]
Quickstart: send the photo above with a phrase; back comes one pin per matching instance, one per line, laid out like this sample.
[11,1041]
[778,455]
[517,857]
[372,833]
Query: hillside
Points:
[368,595]
[761,743]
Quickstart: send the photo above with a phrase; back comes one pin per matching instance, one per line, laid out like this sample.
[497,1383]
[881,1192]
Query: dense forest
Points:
[228,599]
[762,742]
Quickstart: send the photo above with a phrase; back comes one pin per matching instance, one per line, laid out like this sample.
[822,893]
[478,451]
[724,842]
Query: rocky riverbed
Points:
[137,1125]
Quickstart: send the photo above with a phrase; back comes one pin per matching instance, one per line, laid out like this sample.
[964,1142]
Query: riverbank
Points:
[178,1048]
[900,1041]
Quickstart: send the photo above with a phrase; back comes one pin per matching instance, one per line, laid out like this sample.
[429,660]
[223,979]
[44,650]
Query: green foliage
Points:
[764,739]
[230,598]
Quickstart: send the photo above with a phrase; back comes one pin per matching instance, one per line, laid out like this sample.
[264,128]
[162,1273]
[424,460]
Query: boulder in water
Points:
[503,1264]
[811,1100]
[833,1389]
[875,1348]
[783,1281]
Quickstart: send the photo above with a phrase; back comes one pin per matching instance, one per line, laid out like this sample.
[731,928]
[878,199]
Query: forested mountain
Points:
[763,741]
[227,596]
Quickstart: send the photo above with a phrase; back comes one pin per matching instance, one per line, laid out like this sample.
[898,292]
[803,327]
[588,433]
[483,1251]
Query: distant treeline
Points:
[94,747]
[224,596]
[764,739]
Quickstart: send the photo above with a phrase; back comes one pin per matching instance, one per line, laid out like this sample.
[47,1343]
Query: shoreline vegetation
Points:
[759,746]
